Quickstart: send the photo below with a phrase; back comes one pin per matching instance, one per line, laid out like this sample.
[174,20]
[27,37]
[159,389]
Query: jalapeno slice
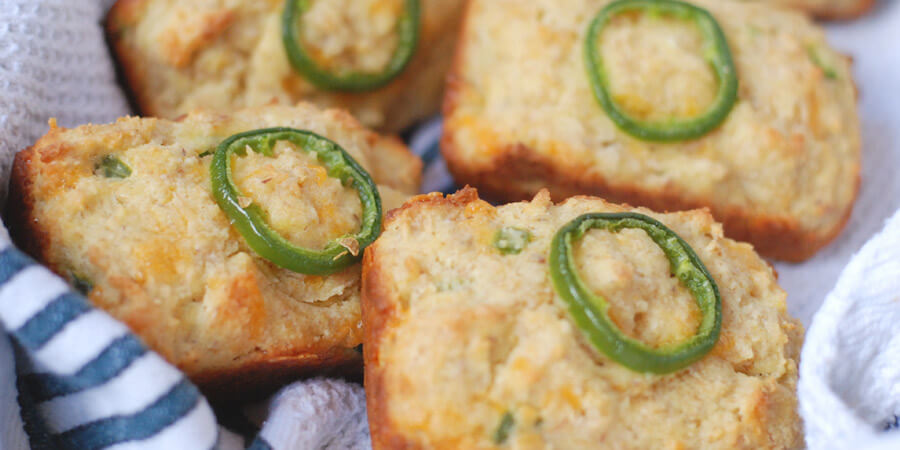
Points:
[305,65]
[590,311]
[251,223]
[716,52]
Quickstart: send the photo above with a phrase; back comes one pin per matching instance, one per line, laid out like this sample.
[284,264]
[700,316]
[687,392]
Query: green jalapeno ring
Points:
[408,38]
[590,311]
[251,223]
[716,53]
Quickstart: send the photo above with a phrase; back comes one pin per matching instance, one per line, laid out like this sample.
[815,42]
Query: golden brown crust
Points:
[852,11]
[122,14]
[776,237]
[257,379]
[156,82]
[454,87]
[501,179]
[377,311]
[19,206]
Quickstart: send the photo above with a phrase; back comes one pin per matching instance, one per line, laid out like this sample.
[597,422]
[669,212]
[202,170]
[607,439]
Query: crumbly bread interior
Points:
[521,115]
[458,335]
[160,255]
[226,54]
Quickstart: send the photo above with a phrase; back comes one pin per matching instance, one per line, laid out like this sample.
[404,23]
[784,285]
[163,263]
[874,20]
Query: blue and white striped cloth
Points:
[425,141]
[84,396]
[78,371]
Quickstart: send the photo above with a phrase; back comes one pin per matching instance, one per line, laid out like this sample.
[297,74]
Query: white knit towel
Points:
[850,366]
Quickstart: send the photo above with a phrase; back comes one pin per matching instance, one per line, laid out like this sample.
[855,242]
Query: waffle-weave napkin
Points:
[850,366]
[86,382]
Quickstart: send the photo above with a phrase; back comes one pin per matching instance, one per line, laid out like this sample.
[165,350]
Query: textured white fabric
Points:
[850,366]
[12,433]
[53,63]
[318,414]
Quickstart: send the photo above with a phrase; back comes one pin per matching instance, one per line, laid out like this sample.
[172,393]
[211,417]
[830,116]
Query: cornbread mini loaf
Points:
[469,343]
[766,133]
[127,213]
[180,55]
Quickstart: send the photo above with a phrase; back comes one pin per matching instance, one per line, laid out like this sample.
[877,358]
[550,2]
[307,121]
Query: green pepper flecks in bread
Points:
[822,59]
[511,240]
[501,434]
[113,167]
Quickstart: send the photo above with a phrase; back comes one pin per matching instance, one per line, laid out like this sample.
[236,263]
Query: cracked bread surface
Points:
[157,252]
[781,172]
[459,335]
[225,54]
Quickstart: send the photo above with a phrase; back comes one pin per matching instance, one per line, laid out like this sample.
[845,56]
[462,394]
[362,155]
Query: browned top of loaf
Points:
[459,334]
[179,55]
[782,170]
[162,257]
